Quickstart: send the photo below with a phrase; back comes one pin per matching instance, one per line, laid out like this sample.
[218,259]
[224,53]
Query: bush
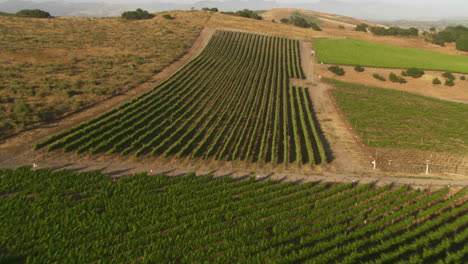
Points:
[248,14]
[361,27]
[449,76]
[462,78]
[214,9]
[394,78]
[337,70]
[413,72]
[285,20]
[379,77]
[358,68]
[436,81]
[395,31]
[462,42]
[341,27]
[167,16]
[35,13]
[137,14]
[449,82]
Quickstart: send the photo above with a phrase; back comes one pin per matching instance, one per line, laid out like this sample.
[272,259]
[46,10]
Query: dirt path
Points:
[347,157]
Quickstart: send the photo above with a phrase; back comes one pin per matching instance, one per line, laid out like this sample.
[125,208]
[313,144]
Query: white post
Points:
[427,167]
[374,163]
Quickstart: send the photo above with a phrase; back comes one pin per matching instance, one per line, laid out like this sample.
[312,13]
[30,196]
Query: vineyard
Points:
[65,217]
[232,102]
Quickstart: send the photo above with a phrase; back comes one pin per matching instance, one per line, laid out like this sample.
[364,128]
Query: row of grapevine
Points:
[232,102]
[66,217]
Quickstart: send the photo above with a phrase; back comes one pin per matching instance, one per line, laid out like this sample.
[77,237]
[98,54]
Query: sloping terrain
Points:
[53,67]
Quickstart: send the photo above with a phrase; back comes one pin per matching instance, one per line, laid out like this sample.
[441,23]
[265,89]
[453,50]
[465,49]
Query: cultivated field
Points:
[386,118]
[50,68]
[233,102]
[364,53]
[88,217]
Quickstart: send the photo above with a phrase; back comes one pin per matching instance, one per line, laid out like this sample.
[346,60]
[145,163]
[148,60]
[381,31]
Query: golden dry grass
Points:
[51,67]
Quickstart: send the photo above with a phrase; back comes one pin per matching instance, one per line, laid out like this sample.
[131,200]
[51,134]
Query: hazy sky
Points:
[424,3]
[387,9]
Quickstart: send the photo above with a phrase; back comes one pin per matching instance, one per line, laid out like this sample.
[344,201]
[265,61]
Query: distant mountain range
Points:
[371,9]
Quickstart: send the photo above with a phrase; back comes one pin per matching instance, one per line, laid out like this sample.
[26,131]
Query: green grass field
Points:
[63,217]
[396,119]
[365,53]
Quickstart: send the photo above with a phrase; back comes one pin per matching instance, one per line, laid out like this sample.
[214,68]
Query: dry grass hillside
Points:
[52,67]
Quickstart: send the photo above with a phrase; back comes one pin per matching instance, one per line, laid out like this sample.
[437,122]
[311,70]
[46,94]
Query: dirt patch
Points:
[423,85]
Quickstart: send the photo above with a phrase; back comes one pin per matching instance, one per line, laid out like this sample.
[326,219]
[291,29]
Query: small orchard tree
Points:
[337,70]
[137,14]
[413,72]
[34,13]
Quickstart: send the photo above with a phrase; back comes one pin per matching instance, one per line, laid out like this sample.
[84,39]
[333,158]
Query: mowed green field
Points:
[365,53]
[397,119]
[232,102]
[63,217]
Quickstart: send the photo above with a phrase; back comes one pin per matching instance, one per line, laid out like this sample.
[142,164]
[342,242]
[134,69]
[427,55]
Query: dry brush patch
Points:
[53,67]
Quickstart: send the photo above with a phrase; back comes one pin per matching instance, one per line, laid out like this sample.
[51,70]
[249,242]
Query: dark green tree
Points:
[35,13]
[137,14]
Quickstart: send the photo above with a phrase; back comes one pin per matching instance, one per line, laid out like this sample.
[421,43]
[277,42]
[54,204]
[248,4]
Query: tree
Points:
[358,68]
[413,72]
[137,14]
[249,14]
[337,70]
[35,13]
[462,42]
[362,27]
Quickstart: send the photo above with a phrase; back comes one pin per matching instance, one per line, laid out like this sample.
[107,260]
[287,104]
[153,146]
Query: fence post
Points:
[427,167]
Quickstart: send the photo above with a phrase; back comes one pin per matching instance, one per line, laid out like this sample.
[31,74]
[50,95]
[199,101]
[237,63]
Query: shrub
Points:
[436,81]
[214,9]
[137,14]
[341,27]
[449,82]
[358,68]
[462,78]
[394,78]
[462,42]
[337,70]
[413,72]
[315,27]
[379,77]
[448,75]
[167,16]
[35,13]
[361,27]
[284,20]
[249,14]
